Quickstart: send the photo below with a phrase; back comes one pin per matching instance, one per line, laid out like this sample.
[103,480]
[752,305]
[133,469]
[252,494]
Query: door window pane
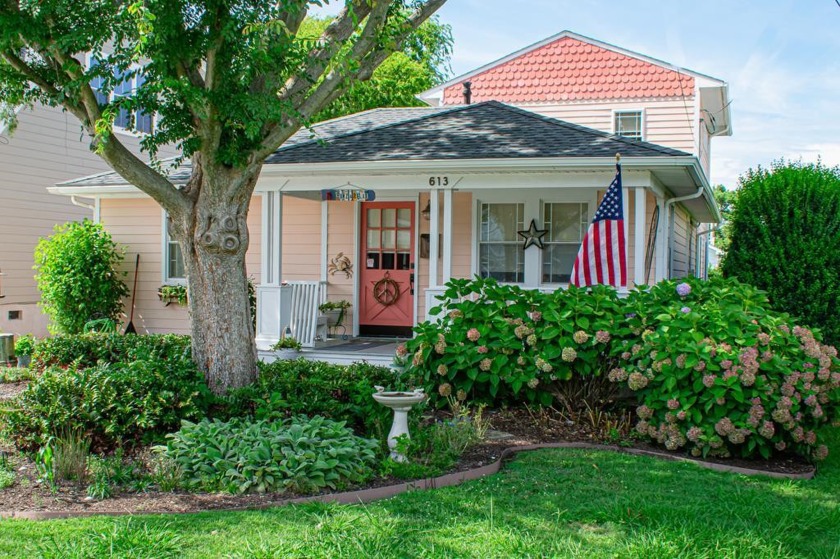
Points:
[389,217]
[403,240]
[404,217]
[388,241]
[373,218]
[373,238]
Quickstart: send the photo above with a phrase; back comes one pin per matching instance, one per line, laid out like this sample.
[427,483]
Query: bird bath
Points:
[401,403]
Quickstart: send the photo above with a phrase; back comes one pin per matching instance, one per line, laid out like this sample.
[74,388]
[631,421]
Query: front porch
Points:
[340,351]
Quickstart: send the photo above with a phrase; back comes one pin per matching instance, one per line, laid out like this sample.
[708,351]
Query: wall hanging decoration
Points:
[533,236]
[341,263]
[348,193]
[386,291]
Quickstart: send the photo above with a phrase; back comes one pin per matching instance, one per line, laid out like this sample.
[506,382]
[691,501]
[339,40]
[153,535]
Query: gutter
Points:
[669,213]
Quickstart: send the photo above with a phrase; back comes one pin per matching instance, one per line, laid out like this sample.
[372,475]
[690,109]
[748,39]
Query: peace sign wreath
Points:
[386,291]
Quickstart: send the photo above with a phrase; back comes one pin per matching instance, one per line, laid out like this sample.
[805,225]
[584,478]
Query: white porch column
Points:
[434,235]
[269,321]
[447,236]
[639,226]
[324,232]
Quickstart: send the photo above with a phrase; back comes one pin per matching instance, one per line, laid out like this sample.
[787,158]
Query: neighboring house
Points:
[453,187]
[46,147]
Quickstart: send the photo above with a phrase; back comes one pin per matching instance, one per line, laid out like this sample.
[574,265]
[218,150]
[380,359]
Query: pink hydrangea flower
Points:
[473,334]
[482,349]
[709,381]
[569,354]
[580,337]
[602,336]
[486,364]
[673,404]
[637,381]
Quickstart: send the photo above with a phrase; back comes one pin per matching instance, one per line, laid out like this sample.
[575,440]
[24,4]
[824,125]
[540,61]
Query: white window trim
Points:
[164,254]
[590,213]
[643,124]
[120,129]
[477,239]
[534,201]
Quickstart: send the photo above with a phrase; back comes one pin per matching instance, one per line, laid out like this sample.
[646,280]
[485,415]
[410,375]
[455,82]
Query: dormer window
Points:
[629,124]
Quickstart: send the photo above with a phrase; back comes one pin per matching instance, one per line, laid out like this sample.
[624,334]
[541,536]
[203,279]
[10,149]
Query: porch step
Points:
[334,357]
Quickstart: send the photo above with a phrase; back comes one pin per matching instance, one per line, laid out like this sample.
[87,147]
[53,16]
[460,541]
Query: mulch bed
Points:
[510,428]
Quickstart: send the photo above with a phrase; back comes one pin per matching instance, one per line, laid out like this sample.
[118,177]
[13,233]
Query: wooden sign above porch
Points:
[348,193]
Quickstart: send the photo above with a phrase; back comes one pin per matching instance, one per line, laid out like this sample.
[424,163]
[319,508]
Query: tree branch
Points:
[333,85]
[331,41]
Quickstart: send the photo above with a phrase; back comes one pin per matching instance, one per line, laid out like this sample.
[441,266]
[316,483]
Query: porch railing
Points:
[291,306]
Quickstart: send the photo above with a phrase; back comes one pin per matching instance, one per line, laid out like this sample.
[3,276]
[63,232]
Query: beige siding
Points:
[680,244]
[666,122]
[47,147]
[138,224]
[301,238]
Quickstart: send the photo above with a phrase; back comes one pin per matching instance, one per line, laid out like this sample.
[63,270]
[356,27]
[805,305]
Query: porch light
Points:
[427,211]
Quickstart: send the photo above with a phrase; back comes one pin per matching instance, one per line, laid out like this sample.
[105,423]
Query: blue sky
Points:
[781,59]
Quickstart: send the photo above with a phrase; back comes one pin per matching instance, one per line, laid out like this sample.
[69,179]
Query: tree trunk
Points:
[214,240]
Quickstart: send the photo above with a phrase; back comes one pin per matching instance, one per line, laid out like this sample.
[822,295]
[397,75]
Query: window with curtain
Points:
[500,253]
[566,224]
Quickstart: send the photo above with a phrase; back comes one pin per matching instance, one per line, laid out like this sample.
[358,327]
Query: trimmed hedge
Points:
[785,239]
[116,390]
[89,349]
[342,393]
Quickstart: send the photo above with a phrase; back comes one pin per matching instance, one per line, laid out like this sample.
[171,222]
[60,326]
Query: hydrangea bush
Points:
[719,373]
[503,343]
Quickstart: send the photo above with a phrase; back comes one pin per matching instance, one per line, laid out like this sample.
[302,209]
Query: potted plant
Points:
[24,346]
[173,294]
[286,347]
[335,311]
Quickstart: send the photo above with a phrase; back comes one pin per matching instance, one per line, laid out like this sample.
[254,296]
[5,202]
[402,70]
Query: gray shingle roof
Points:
[489,130]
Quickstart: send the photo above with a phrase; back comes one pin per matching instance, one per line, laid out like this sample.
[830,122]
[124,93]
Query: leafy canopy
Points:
[231,79]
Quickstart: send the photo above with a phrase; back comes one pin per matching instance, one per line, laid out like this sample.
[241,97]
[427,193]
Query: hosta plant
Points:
[300,455]
[719,373]
[501,343]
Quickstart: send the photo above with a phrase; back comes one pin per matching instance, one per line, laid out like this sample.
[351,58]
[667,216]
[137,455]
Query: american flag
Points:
[602,258]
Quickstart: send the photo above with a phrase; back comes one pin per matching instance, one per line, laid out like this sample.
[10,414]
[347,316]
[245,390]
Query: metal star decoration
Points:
[533,236]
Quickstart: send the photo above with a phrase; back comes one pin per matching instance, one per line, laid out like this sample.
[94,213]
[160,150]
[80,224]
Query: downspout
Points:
[75,202]
[669,213]
[706,261]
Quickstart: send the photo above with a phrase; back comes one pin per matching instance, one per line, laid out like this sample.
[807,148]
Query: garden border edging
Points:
[447,480]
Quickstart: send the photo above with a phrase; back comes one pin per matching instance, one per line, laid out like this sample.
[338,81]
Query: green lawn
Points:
[559,503]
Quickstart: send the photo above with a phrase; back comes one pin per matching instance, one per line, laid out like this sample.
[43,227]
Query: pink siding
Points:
[301,239]
[572,70]
[341,235]
[137,223]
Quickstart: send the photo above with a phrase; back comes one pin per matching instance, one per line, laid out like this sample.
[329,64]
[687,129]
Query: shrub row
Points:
[87,350]
[342,393]
[716,371]
[300,455]
[112,404]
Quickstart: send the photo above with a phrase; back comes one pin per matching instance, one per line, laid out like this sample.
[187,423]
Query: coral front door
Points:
[386,290]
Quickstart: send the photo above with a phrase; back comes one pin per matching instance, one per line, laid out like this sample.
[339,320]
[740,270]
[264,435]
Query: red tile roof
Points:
[572,70]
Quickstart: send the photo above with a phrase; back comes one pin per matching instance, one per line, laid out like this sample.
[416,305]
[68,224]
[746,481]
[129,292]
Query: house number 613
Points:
[438,181]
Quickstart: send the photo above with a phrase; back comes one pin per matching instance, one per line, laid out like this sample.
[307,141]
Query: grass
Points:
[558,503]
